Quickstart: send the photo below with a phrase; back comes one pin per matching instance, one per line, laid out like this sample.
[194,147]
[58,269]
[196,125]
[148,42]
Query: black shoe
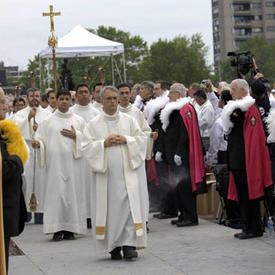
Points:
[89,223]
[154,209]
[68,235]
[186,223]
[174,222]
[156,215]
[115,254]
[129,252]
[147,228]
[163,216]
[237,235]
[57,236]
[244,235]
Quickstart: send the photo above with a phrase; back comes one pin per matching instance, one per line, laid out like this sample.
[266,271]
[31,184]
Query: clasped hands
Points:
[114,140]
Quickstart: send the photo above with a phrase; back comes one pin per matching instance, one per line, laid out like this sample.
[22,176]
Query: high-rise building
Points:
[234,21]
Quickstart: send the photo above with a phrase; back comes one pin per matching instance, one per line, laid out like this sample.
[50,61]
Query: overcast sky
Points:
[24,31]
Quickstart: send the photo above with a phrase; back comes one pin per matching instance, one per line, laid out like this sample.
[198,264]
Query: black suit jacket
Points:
[15,213]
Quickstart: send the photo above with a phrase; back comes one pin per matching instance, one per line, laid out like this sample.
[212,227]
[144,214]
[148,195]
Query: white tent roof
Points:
[80,43]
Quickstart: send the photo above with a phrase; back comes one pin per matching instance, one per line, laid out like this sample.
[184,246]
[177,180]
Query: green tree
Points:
[181,59]
[33,66]
[264,54]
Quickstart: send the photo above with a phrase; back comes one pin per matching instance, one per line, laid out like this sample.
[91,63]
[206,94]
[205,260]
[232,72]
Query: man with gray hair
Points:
[248,157]
[179,139]
[115,149]
[28,120]
[146,93]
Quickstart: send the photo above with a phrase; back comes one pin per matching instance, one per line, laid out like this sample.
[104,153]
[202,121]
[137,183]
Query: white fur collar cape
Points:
[138,102]
[154,106]
[169,108]
[243,104]
[270,120]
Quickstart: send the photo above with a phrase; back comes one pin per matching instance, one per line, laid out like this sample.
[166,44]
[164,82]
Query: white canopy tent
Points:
[79,42]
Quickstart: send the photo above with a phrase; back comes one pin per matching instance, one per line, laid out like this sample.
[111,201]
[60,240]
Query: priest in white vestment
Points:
[51,98]
[116,148]
[59,140]
[96,97]
[84,109]
[28,120]
[126,107]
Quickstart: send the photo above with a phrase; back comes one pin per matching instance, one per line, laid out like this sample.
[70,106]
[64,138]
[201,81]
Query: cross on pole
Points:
[51,14]
[52,41]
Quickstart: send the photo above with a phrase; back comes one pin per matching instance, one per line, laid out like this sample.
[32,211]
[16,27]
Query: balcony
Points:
[241,7]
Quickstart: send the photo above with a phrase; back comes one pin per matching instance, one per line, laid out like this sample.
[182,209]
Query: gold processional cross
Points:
[52,41]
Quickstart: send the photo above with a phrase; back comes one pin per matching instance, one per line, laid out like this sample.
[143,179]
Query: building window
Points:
[216,22]
[242,31]
[216,37]
[237,43]
[215,10]
[270,4]
[257,30]
[242,19]
[270,16]
[257,17]
[241,7]
[270,28]
[256,5]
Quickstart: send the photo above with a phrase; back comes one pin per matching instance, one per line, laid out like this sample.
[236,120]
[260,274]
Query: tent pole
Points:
[40,68]
[113,74]
[124,67]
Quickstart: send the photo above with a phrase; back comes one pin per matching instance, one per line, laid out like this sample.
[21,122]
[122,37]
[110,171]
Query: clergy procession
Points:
[90,168]
[124,166]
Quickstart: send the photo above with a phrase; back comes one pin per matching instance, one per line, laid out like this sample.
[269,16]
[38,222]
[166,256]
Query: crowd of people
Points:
[105,158]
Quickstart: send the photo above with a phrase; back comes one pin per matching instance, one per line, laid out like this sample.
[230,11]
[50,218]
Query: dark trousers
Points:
[7,247]
[186,199]
[163,178]
[250,209]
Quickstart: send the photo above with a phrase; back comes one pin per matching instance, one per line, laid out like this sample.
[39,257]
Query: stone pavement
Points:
[205,249]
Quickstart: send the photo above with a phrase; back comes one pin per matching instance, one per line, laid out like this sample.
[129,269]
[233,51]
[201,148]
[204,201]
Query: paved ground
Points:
[205,249]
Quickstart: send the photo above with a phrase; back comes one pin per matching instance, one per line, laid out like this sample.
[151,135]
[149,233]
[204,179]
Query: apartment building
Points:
[234,21]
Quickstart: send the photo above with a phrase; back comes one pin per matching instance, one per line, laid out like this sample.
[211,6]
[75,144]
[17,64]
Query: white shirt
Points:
[206,117]
[217,142]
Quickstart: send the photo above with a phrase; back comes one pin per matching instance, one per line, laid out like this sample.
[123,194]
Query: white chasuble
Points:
[65,198]
[119,213]
[87,113]
[26,127]
[138,115]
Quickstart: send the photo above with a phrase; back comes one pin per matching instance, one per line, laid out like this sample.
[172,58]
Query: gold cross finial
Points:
[51,14]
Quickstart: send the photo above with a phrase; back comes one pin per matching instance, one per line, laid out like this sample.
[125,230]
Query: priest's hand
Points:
[69,133]
[120,139]
[32,113]
[110,141]
[114,140]
[154,135]
[35,126]
[35,144]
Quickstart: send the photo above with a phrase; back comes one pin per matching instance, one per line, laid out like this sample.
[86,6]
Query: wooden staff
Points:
[33,203]
[2,237]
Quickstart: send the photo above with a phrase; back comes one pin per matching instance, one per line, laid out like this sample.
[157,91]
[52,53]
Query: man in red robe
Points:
[248,157]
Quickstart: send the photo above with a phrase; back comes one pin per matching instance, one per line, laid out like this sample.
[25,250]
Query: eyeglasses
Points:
[111,98]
